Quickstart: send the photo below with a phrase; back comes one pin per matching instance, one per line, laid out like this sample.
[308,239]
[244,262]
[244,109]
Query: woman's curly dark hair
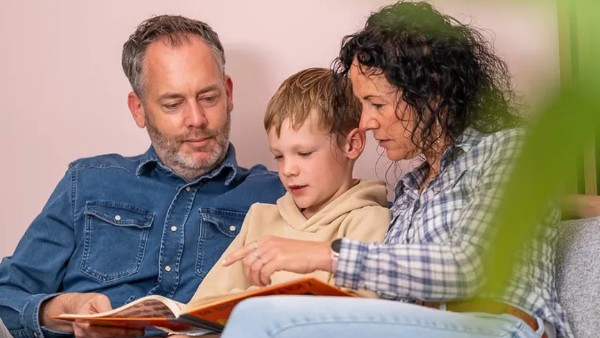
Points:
[445,70]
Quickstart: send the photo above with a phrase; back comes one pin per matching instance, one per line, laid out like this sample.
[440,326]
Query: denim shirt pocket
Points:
[218,228]
[115,239]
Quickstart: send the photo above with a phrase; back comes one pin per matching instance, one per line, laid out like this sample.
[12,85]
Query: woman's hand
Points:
[270,254]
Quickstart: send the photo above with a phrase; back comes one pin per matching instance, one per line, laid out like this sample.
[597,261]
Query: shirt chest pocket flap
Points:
[115,239]
[218,227]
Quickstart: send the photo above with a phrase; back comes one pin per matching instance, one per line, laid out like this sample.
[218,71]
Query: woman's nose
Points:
[367,122]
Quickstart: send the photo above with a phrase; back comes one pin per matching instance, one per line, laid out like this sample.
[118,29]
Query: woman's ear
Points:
[355,143]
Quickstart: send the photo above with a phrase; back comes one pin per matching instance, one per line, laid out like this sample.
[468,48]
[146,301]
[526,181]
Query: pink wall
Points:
[63,94]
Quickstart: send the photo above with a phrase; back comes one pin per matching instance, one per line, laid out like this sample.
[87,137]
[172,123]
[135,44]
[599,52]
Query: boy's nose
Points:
[290,168]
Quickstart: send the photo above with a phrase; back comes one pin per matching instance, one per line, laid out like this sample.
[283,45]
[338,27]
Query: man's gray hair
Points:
[176,30]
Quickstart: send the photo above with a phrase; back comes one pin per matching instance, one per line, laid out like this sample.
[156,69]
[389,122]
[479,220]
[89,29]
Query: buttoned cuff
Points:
[30,318]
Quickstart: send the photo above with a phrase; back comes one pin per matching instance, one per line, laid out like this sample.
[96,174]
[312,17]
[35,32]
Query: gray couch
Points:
[578,275]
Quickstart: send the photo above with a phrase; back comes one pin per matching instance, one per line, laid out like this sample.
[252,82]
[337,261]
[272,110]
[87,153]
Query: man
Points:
[118,228]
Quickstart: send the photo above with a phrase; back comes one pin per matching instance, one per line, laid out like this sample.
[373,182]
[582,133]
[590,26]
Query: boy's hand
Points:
[268,255]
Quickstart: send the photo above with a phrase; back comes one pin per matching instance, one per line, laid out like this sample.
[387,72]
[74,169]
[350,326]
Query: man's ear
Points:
[229,92]
[137,109]
[355,143]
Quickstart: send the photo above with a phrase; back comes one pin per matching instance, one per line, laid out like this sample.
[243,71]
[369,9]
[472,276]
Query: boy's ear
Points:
[355,143]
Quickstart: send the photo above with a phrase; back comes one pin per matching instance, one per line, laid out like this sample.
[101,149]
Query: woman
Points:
[431,88]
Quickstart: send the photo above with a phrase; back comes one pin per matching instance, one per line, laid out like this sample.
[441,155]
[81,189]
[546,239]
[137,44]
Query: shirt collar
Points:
[467,140]
[150,160]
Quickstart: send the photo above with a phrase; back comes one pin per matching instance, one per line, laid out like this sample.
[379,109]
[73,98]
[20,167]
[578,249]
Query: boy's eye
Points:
[305,154]
[277,157]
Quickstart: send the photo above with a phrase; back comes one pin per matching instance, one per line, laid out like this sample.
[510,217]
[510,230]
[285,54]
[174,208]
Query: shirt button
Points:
[117,218]
[232,228]
[188,189]
[168,268]
[173,228]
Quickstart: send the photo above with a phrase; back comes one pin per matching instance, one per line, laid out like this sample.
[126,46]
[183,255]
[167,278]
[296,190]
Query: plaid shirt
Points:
[433,248]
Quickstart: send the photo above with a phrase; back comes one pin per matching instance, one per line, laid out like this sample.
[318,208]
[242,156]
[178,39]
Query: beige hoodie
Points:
[360,213]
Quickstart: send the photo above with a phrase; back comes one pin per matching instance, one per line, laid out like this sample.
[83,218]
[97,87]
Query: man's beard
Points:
[170,153]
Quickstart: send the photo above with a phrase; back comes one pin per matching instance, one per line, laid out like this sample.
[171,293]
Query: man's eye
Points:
[171,106]
[210,99]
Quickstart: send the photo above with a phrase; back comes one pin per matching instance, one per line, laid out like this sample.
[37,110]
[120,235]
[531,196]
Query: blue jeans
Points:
[315,317]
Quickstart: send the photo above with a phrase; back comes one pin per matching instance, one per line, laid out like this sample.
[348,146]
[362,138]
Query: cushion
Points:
[578,274]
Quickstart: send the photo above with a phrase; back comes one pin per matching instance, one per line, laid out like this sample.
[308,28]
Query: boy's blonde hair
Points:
[318,89]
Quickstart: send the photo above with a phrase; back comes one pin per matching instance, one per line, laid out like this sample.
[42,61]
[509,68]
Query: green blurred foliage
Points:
[558,135]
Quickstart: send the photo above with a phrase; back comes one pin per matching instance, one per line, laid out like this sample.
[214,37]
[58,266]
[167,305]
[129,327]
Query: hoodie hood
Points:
[364,193]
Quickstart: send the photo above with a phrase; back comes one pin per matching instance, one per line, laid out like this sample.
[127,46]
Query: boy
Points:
[315,147]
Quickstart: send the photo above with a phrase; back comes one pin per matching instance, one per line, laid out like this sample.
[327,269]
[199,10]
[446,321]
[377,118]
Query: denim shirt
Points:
[127,227]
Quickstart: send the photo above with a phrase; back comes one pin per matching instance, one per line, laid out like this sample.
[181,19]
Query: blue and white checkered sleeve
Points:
[447,263]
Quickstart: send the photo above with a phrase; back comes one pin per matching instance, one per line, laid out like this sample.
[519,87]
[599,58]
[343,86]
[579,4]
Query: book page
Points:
[199,302]
[153,306]
[208,314]
[150,311]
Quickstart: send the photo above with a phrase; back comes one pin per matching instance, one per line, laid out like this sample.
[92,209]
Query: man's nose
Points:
[196,115]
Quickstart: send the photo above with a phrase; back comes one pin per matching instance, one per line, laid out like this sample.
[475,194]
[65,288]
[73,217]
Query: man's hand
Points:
[271,254]
[81,303]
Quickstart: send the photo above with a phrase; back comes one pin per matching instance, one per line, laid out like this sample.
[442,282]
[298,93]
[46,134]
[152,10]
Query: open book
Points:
[206,315]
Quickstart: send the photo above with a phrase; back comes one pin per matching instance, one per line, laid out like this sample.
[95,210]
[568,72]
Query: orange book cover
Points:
[200,315]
